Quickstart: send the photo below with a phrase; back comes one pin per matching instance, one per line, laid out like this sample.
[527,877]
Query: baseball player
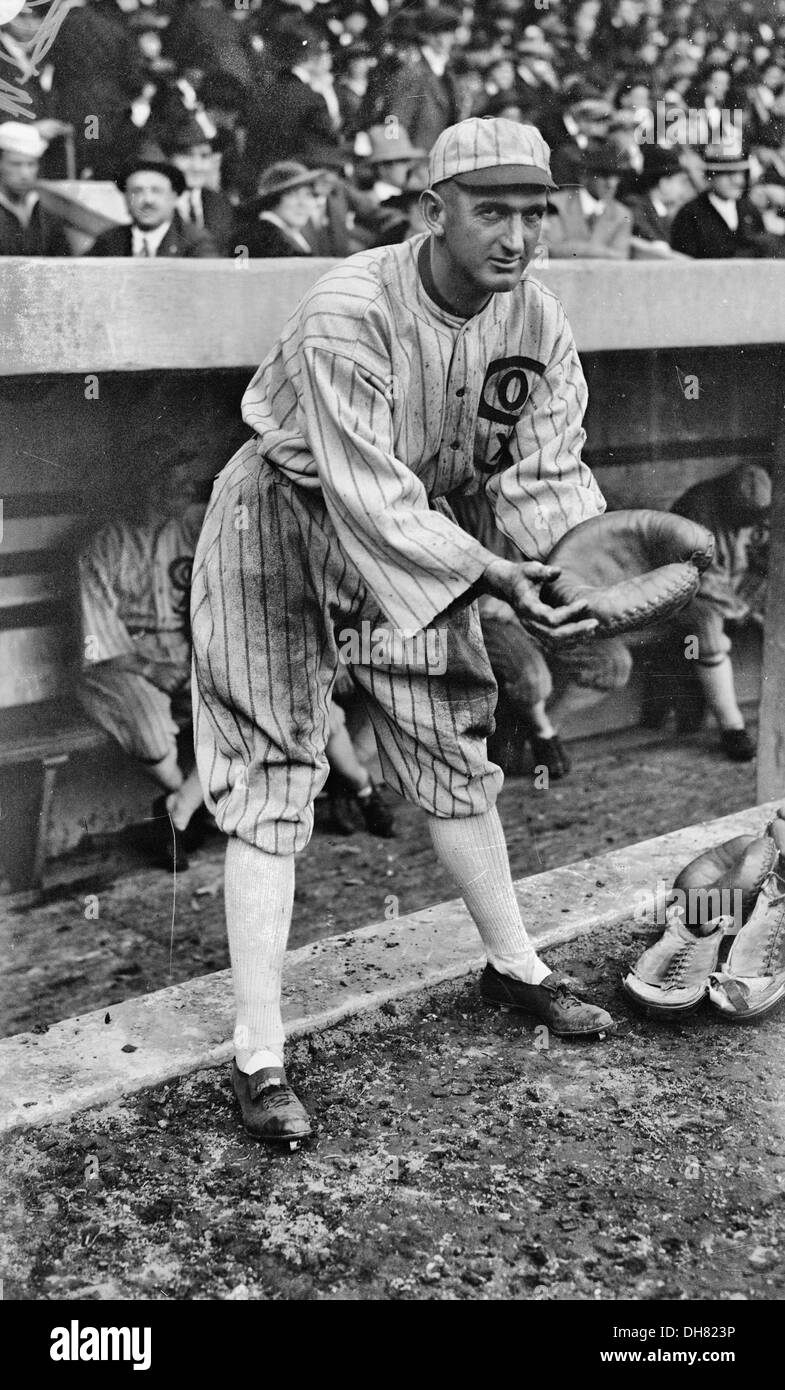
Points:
[135,681]
[407,373]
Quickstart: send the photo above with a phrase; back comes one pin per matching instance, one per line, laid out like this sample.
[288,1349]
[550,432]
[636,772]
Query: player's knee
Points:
[614,666]
[531,683]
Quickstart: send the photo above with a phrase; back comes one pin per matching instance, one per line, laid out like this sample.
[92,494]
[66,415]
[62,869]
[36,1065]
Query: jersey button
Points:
[461,391]
[456,444]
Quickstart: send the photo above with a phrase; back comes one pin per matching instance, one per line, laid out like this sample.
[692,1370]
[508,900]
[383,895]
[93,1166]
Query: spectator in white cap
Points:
[26,228]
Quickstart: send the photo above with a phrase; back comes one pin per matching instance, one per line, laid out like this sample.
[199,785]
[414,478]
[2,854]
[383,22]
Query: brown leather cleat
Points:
[270,1109]
[552,1001]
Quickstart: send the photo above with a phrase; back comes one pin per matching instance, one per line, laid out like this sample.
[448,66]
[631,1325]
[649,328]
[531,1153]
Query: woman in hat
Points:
[286,202]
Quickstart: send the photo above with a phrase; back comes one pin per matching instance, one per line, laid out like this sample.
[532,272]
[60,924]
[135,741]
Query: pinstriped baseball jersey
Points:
[136,579]
[383,400]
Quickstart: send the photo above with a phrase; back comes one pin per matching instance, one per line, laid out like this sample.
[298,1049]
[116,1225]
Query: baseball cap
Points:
[485,152]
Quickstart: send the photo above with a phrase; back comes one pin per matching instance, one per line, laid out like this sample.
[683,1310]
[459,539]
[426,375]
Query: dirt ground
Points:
[110,927]
[459,1153]
[458,1157]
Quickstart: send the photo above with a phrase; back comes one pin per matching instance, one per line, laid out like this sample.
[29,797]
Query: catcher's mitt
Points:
[631,568]
[710,880]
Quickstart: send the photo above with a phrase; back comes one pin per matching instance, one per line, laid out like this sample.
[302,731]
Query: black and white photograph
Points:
[392,664]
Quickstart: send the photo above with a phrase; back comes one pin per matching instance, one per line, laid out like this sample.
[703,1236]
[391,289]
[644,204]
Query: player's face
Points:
[488,236]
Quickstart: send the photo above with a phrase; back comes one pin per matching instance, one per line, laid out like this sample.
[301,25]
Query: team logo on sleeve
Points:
[506,387]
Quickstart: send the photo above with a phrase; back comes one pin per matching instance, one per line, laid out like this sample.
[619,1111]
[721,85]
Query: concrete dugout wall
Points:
[106,365]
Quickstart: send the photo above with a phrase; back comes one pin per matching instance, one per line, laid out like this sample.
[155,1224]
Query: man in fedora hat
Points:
[152,188]
[393,159]
[406,374]
[421,95]
[587,219]
[26,228]
[722,222]
[663,187]
[583,118]
[202,204]
[286,202]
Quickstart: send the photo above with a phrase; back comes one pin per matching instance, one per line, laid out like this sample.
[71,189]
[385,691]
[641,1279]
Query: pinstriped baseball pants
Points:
[273,596]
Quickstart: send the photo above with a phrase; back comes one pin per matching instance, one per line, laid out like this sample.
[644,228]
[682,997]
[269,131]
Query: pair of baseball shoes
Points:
[687,965]
[272,1112]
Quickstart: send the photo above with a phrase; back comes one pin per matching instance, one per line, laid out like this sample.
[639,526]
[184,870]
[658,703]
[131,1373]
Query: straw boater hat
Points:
[725,158]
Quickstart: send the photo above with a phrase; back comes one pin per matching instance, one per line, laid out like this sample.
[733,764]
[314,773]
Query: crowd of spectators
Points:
[293,127]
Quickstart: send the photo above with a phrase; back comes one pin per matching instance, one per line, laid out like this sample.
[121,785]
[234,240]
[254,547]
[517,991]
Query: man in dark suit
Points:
[722,222]
[152,188]
[422,94]
[201,206]
[663,188]
[26,228]
[98,72]
[295,114]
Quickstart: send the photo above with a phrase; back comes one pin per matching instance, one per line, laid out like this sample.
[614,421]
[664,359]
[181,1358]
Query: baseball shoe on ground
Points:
[378,817]
[737,745]
[269,1107]
[550,753]
[343,813]
[671,978]
[552,1001]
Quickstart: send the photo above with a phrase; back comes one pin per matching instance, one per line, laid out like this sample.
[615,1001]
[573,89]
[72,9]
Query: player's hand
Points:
[519,585]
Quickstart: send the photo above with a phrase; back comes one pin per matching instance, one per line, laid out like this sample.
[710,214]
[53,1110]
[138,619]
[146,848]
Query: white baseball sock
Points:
[474,851]
[259,890]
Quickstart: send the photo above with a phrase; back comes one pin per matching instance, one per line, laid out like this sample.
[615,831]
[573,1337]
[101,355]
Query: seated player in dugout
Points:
[540,689]
[407,374]
[135,576]
[691,667]
[355,800]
